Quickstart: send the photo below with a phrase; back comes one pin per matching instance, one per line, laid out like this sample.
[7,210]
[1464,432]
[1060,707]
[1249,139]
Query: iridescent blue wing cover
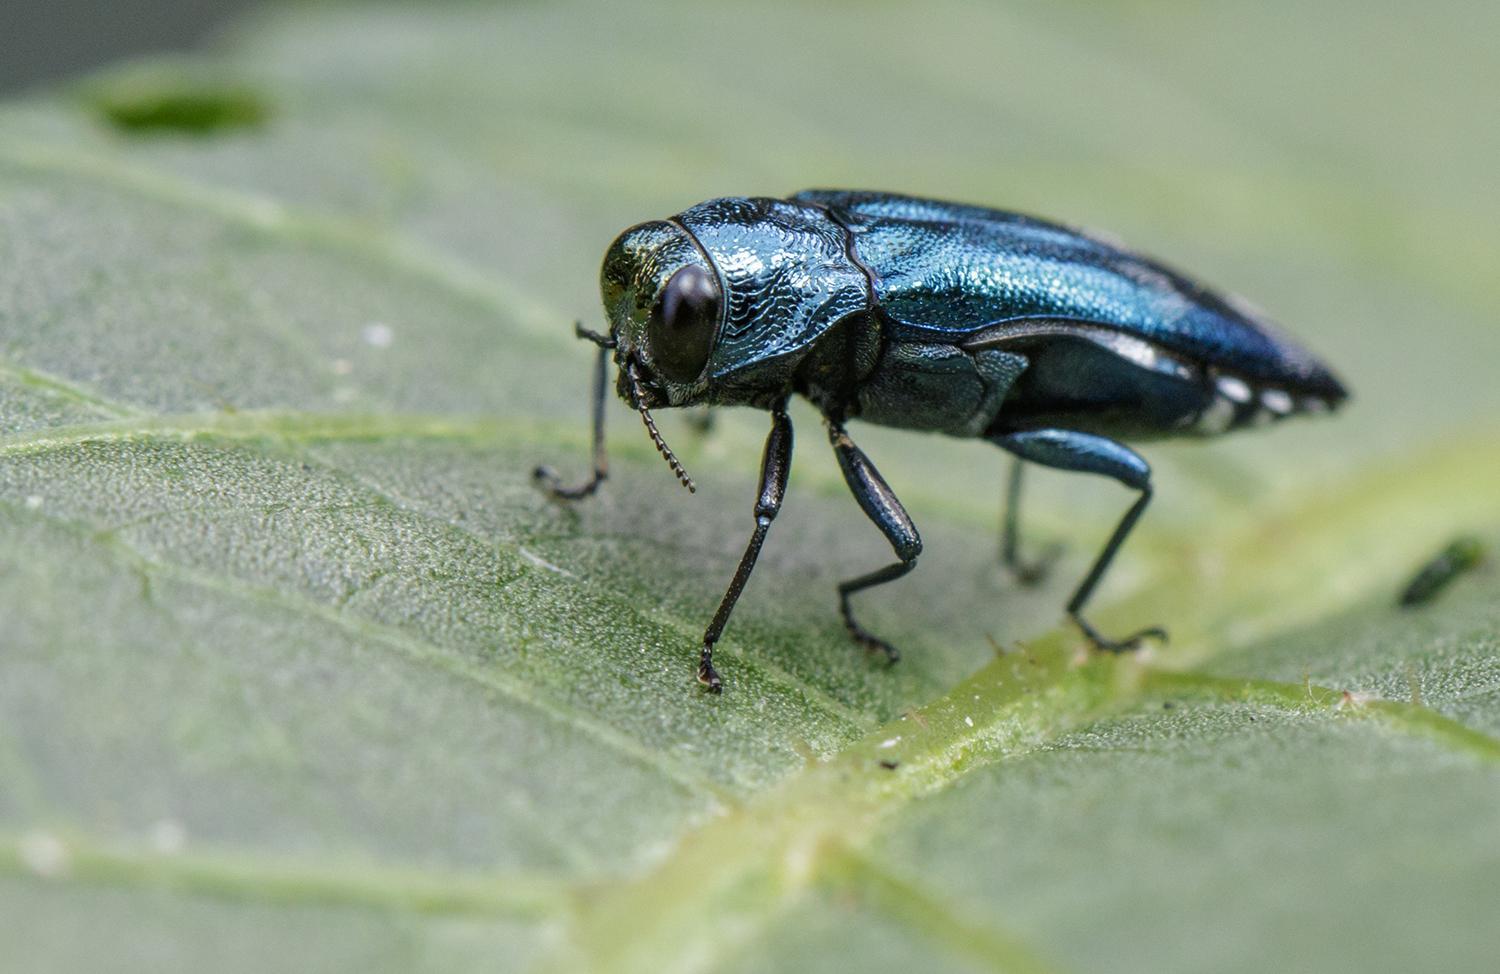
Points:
[946,272]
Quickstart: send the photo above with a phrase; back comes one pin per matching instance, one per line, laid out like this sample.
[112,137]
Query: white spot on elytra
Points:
[1232,388]
[377,334]
[1277,401]
[890,742]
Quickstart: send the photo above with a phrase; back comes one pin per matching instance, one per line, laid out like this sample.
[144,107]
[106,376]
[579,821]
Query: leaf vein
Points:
[299,881]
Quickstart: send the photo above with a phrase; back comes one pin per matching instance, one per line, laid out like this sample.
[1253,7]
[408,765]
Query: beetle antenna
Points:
[639,402]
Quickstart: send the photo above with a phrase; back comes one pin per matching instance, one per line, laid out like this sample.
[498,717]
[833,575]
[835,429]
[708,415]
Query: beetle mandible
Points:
[1051,343]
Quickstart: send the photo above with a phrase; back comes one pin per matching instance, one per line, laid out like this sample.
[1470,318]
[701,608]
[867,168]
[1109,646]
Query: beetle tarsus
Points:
[871,642]
[707,675]
[1129,644]
[549,481]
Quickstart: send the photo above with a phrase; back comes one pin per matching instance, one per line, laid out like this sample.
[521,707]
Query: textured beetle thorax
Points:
[786,277]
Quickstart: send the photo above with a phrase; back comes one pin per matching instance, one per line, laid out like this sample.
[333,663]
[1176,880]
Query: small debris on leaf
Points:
[1461,555]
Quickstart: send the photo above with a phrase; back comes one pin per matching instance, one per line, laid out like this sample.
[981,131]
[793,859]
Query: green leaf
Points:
[299,671]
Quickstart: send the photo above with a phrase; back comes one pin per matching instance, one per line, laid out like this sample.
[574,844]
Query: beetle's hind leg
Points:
[1087,453]
[1026,572]
[882,507]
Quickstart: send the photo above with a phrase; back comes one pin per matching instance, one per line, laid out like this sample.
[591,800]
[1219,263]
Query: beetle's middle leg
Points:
[1087,453]
[882,507]
[1031,572]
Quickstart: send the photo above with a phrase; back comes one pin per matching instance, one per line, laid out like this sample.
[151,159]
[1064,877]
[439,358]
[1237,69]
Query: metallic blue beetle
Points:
[1046,341]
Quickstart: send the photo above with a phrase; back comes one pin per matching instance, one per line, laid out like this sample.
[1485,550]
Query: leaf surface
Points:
[300,670]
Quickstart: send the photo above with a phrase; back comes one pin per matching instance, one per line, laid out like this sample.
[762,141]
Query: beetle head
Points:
[722,302]
[663,302]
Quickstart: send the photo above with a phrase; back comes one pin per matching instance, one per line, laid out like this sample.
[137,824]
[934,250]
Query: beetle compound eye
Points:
[683,324]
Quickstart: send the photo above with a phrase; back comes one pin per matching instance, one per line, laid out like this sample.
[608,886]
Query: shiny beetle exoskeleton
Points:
[1052,344]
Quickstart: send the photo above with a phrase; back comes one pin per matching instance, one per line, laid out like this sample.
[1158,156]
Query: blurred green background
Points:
[56,39]
[298,670]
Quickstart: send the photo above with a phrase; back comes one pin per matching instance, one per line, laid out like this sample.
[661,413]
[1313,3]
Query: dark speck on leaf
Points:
[1461,555]
[181,105]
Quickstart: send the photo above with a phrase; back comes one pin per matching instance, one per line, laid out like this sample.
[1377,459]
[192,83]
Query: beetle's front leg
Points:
[881,506]
[546,476]
[775,467]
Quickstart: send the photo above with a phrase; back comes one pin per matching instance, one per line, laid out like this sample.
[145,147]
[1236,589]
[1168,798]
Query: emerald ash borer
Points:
[1046,341]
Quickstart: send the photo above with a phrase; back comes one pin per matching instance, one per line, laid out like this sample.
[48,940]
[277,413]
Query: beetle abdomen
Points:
[1238,402]
[1087,376]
